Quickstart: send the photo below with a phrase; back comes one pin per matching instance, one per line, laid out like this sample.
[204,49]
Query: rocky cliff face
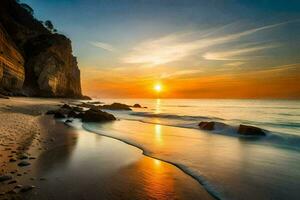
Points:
[12,73]
[35,61]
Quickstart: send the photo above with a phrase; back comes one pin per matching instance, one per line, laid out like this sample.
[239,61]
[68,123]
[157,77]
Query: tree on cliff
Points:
[49,25]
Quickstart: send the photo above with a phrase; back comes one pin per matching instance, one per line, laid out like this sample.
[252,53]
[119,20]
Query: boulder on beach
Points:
[137,105]
[116,106]
[250,130]
[207,125]
[94,115]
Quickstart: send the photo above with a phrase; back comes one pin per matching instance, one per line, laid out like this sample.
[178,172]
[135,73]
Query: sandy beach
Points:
[42,158]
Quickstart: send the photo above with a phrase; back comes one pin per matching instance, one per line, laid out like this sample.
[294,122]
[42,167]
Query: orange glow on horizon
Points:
[274,83]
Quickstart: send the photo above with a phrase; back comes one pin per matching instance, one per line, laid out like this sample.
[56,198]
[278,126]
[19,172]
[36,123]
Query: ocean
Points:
[227,165]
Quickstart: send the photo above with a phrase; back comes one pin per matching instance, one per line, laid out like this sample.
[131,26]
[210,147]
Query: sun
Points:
[158,87]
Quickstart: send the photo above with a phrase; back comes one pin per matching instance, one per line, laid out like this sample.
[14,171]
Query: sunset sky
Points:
[194,49]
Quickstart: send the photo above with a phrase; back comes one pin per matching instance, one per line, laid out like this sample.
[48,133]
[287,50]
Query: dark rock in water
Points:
[26,188]
[51,112]
[95,102]
[5,178]
[93,115]
[207,125]
[250,130]
[72,114]
[68,121]
[59,115]
[23,164]
[77,109]
[137,105]
[66,106]
[116,106]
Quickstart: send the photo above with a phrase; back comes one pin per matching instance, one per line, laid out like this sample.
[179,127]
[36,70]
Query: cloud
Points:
[102,45]
[236,53]
[235,64]
[176,47]
[180,73]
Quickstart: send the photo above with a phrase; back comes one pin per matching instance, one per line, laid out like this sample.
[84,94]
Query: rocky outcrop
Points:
[35,60]
[250,130]
[207,125]
[93,115]
[115,106]
[12,73]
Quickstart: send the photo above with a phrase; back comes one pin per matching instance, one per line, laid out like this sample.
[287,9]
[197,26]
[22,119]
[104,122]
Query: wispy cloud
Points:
[235,64]
[102,45]
[236,53]
[176,47]
[180,73]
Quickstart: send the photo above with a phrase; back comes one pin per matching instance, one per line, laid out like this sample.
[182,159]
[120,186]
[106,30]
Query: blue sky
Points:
[168,39]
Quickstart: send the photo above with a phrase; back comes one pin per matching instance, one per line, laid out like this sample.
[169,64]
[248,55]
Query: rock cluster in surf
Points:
[245,130]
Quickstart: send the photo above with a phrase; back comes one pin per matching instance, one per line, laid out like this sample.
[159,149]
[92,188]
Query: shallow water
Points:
[229,166]
[97,167]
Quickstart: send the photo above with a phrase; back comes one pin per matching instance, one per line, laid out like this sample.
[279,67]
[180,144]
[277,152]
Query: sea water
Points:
[228,165]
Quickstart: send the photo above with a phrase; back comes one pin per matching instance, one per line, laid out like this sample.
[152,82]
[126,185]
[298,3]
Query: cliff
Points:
[33,60]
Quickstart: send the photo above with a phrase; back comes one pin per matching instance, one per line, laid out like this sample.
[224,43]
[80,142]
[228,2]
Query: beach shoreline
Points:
[50,143]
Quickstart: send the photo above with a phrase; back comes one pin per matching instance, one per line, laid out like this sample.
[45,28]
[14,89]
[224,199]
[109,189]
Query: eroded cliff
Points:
[35,62]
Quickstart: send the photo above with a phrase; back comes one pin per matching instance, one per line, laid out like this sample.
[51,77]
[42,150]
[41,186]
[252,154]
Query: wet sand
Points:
[76,164]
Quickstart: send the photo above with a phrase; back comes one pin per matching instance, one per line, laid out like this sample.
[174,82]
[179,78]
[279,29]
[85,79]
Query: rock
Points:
[250,130]
[66,106]
[116,106]
[59,115]
[5,178]
[26,188]
[12,72]
[12,160]
[23,163]
[68,121]
[93,115]
[72,114]
[137,105]
[51,69]
[51,112]
[207,125]
[77,109]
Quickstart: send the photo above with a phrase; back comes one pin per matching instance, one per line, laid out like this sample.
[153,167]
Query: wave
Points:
[199,178]
[222,127]
[174,116]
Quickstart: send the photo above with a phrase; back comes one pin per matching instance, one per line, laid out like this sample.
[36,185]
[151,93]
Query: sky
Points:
[193,49]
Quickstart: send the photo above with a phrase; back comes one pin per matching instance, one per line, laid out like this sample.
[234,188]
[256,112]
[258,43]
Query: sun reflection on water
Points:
[158,134]
[157,106]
